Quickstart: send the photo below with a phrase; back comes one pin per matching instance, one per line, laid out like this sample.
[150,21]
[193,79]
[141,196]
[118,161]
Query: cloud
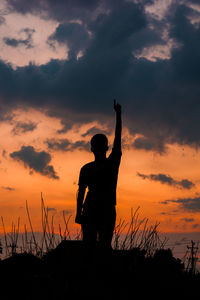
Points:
[6,114]
[35,160]
[2,20]
[188,220]
[91,131]
[195,225]
[148,144]
[67,211]
[166,179]
[90,78]
[23,127]
[187,204]
[51,209]
[66,145]
[4,153]
[8,188]
[160,98]
[27,41]
[56,10]
[94,130]
[73,34]
[164,213]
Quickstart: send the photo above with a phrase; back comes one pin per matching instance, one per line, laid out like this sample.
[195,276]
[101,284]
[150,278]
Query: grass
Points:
[138,234]
[24,241]
[139,264]
[127,235]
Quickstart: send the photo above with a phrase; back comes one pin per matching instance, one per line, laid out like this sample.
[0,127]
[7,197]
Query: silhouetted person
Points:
[97,214]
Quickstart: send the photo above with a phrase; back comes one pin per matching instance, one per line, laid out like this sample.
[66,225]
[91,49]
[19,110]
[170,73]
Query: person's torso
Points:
[102,182]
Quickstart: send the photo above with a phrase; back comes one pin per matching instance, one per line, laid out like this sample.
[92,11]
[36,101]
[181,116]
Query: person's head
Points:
[99,144]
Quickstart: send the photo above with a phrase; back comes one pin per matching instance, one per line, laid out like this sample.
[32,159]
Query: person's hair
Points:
[99,142]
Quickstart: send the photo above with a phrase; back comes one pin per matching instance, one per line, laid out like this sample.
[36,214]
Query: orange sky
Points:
[18,184]
[59,195]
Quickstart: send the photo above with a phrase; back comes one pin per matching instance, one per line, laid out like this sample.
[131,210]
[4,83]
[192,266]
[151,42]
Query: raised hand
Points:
[117,107]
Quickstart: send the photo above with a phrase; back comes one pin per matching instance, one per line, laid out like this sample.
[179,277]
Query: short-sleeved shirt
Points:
[101,180]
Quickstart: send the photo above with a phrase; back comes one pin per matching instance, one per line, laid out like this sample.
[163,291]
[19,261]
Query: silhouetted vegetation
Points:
[55,266]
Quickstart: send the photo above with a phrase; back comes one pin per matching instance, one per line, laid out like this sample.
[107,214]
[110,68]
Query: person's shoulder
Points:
[115,153]
[87,166]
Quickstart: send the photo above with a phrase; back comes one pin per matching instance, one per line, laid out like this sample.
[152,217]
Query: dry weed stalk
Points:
[127,236]
[138,235]
[29,242]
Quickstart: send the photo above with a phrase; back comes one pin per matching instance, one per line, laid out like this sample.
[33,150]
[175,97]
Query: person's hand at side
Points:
[78,219]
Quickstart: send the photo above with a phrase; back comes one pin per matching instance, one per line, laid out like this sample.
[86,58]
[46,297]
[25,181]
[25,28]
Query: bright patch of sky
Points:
[195,18]
[156,52]
[40,52]
[157,12]
[158,9]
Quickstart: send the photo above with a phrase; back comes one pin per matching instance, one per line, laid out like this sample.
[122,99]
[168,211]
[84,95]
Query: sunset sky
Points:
[61,64]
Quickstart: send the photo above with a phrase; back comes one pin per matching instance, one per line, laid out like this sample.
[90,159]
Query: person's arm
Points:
[80,198]
[81,194]
[118,128]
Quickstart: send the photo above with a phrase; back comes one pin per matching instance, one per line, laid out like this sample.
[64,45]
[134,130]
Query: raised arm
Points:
[118,128]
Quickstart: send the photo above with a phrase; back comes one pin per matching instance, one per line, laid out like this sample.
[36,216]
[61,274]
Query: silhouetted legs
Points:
[98,228]
[89,234]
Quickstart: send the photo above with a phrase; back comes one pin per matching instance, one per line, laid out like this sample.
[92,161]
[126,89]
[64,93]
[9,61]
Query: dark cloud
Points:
[67,211]
[188,220]
[90,78]
[8,188]
[149,144]
[51,209]
[166,179]
[167,213]
[91,131]
[187,204]
[94,130]
[73,34]
[160,99]
[63,10]
[66,145]
[57,10]
[193,1]
[2,20]
[23,127]
[37,161]
[6,114]
[27,41]
[195,226]
[4,153]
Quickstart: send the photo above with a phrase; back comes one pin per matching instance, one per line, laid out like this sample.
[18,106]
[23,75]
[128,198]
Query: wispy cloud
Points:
[187,204]
[8,188]
[166,179]
[27,41]
[51,209]
[2,20]
[188,220]
[66,145]
[23,127]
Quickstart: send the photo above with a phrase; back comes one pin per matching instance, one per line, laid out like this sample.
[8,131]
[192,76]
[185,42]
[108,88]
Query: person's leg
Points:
[89,234]
[106,228]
